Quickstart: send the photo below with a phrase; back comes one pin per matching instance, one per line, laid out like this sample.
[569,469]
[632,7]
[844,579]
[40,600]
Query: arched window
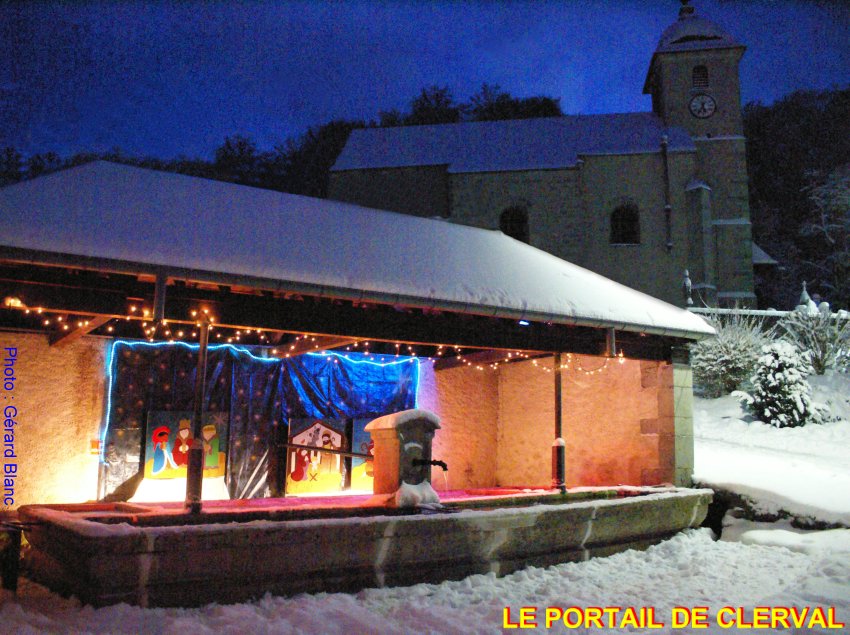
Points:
[625,225]
[700,76]
[514,223]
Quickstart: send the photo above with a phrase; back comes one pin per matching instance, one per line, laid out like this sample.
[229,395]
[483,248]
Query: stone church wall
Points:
[551,198]
[734,270]
[419,191]
[610,180]
[569,215]
[723,165]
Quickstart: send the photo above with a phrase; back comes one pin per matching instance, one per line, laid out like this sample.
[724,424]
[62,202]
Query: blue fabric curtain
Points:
[257,393]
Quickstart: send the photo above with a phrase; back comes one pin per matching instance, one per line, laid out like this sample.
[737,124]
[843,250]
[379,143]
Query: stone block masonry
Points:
[10,423]
[74,551]
[52,404]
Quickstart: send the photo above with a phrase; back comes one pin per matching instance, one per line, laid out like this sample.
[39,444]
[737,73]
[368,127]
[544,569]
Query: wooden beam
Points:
[66,337]
[88,293]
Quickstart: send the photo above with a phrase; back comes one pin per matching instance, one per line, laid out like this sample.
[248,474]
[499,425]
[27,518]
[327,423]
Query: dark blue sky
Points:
[170,78]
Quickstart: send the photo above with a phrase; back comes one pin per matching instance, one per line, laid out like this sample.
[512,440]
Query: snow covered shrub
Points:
[780,394]
[826,336]
[722,363]
[842,360]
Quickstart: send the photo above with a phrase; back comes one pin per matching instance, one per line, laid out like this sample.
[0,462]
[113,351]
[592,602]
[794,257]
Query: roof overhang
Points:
[111,243]
[121,296]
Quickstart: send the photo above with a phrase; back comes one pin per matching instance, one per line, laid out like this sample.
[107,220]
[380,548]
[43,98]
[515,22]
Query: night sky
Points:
[174,78]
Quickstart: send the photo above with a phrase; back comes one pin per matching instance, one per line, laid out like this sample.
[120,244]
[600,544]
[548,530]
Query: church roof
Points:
[119,218]
[510,145]
[692,32]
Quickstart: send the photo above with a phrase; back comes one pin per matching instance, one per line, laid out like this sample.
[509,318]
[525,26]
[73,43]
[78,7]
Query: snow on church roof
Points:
[519,144]
[119,214]
[692,32]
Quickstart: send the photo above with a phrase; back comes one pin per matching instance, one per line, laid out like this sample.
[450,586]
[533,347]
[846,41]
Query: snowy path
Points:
[802,484]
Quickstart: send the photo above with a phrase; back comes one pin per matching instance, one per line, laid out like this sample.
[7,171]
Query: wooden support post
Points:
[195,465]
[159,298]
[559,445]
[278,460]
[349,434]
[611,343]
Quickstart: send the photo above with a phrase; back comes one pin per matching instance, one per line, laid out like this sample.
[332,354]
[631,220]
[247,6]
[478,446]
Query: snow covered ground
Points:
[804,471]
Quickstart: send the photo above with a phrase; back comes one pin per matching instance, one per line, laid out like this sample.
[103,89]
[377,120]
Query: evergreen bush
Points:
[780,394]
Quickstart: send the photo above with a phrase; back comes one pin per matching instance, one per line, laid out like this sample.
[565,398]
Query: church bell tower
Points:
[693,77]
[694,83]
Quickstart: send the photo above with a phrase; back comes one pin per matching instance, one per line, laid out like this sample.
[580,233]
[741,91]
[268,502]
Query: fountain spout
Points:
[442,464]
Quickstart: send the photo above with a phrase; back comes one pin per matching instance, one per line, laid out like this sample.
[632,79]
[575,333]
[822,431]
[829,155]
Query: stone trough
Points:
[105,554]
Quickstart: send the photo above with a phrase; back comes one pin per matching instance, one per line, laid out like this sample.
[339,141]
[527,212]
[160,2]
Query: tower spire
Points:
[686,10]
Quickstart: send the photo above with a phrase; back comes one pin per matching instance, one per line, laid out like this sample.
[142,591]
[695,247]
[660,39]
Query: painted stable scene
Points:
[315,395]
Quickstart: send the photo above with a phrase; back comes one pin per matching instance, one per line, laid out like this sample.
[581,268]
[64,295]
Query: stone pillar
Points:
[683,416]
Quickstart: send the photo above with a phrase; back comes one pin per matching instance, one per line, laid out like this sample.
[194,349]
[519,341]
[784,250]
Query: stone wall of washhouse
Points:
[466,400]
[57,403]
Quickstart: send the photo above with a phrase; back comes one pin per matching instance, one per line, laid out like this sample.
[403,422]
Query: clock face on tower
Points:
[702,106]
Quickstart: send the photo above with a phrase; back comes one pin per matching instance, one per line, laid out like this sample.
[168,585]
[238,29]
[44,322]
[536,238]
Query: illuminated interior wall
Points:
[526,424]
[617,423]
[466,400]
[58,394]
[612,426]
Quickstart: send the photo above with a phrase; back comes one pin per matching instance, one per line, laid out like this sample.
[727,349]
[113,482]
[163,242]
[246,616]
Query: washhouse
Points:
[183,353]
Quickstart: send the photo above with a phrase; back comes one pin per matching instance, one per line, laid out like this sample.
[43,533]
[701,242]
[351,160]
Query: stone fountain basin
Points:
[102,556]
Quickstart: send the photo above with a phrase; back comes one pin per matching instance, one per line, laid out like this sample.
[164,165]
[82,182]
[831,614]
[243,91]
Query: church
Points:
[636,197]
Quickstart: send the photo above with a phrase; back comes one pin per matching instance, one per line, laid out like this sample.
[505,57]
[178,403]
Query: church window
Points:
[700,76]
[625,225]
[514,223]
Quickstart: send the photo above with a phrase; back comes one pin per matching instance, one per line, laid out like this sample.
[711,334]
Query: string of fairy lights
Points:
[175,331]
[572,362]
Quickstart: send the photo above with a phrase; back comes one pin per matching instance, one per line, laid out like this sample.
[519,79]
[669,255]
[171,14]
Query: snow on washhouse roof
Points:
[521,144]
[127,214]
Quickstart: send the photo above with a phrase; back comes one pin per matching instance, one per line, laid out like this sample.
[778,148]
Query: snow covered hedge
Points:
[726,363]
[824,334]
[723,363]
[780,394]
